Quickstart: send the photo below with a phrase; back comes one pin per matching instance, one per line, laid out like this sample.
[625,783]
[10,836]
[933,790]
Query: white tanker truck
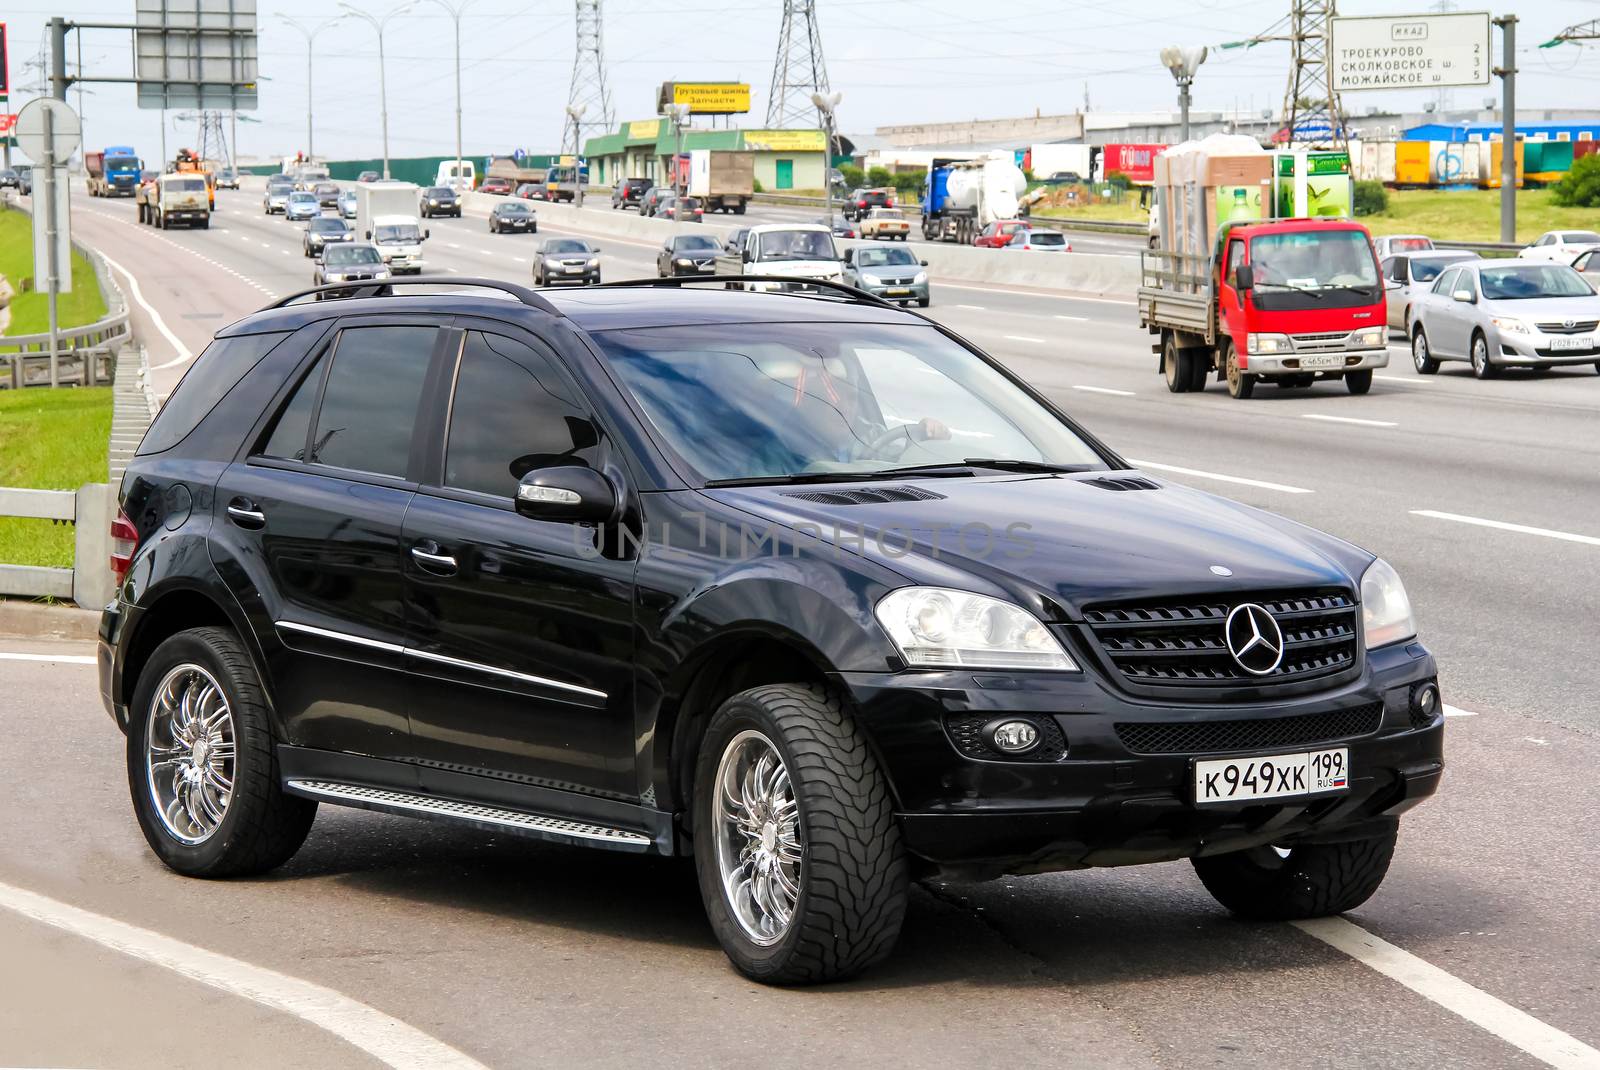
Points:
[961,197]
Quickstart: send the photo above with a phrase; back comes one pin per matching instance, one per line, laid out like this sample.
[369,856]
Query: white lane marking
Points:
[266,245]
[1407,380]
[1074,319]
[1023,338]
[182,351]
[1346,420]
[1059,295]
[1262,483]
[1516,1027]
[1539,742]
[380,1035]
[973,308]
[520,259]
[66,659]
[1457,711]
[1501,525]
[1105,390]
[451,245]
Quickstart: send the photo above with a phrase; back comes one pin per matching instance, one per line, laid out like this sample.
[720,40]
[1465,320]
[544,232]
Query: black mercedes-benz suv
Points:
[805,587]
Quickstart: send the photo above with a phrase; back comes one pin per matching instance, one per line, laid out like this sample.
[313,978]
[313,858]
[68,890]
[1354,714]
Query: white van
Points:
[459,175]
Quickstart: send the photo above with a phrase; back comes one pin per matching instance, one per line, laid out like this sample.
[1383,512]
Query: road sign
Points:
[7,122]
[52,211]
[195,54]
[5,63]
[1410,51]
[706,98]
[66,130]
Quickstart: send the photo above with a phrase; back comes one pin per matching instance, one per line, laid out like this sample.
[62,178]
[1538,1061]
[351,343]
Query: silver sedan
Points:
[1405,275]
[1497,314]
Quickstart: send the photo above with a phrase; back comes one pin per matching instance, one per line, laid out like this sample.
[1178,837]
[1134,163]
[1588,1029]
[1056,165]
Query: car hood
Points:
[1545,309]
[1072,541]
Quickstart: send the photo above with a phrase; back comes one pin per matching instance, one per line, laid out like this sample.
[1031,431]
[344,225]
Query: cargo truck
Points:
[1257,272]
[961,197]
[386,215]
[724,181]
[114,172]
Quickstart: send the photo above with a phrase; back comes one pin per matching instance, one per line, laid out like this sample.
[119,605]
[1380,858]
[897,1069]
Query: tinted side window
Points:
[1235,258]
[215,371]
[1446,281]
[288,438]
[511,414]
[369,406]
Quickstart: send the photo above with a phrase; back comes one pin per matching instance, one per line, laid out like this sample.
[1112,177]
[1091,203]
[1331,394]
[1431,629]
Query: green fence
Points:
[419,169]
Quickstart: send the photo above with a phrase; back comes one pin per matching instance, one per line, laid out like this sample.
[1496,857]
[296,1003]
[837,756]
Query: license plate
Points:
[1273,776]
[1579,342]
[1321,360]
[573,270]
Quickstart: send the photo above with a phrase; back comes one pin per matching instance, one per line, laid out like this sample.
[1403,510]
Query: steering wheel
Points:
[879,446]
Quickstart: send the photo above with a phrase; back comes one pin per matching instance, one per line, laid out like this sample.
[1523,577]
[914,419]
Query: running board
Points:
[477,815]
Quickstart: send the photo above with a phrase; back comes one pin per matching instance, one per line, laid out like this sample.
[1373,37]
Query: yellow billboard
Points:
[785,140]
[710,98]
[644,129]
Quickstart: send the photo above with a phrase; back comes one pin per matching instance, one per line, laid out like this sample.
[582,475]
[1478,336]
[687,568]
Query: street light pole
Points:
[1183,63]
[455,15]
[310,33]
[379,24]
[679,114]
[574,117]
[827,104]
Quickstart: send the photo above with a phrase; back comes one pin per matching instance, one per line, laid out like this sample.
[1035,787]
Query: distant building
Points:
[1575,130]
[643,148]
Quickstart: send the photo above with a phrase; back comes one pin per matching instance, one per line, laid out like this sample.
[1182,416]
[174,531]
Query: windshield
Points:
[1313,269]
[279,185]
[351,254]
[690,243]
[440,191]
[1409,245]
[397,232]
[302,197]
[1525,281]
[188,185]
[512,209]
[871,258]
[1045,237]
[1426,270]
[566,245]
[797,245]
[830,397]
[122,163]
[1581,237]
[326,225]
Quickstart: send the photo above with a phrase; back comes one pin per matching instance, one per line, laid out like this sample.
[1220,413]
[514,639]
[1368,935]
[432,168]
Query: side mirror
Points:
[924,263]
[594,250]
[1244,277]
[849,256]
[369,235]
[425,235]
[566,494]
[748,256]
[1465,297]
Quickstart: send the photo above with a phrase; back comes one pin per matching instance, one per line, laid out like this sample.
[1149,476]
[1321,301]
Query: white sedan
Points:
[1560,245]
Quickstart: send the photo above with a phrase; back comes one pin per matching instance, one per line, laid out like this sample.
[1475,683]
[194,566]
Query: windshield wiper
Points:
[789,478]
[1002,464]
[1297,289]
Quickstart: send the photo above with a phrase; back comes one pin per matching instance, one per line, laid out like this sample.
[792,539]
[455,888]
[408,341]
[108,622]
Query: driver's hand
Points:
[929,428]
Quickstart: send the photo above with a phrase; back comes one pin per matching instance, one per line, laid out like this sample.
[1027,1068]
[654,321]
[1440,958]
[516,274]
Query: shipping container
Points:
[1496,154]
[1386,163]
[1135,161]
[1411,163]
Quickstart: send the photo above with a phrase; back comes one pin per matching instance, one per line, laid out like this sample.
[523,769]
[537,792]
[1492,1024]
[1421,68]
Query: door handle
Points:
[429,559]
[244,513]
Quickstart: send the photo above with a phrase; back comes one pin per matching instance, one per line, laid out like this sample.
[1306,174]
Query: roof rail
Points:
[860,297]
[385,288]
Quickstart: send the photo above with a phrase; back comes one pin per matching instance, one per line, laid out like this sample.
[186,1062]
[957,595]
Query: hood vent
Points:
[866,495]
[1123,483]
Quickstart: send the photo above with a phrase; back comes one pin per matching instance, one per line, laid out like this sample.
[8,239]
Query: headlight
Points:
[380,274]
[1385,608]
[332,276]
[1268,343]
[870,280]
[933,626]
[1510,324]
[922,277]
[684,262]
[1372,336]
[594,261]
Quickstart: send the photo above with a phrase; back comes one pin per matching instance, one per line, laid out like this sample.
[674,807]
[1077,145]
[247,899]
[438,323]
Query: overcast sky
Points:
[894,60]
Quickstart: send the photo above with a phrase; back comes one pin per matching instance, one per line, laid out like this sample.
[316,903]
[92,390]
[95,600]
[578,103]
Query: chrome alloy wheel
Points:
[190,753]
[759,853]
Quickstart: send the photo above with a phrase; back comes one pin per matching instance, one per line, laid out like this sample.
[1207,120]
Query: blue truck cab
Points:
[121,167]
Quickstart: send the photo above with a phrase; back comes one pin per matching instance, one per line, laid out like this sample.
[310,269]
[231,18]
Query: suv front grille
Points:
[1184,643]
[1210,737]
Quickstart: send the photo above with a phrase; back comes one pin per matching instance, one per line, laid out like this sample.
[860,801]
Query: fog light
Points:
[1014,737]
[1427,700]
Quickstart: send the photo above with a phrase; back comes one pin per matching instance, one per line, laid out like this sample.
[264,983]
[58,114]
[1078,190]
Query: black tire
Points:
[1313,881]
[261,827]
[1241,384]
[1358,382]
[924,302]
[1199,370]
[1177,365]
[1482,366]
[852,878]
[1421,355]
[1597,365]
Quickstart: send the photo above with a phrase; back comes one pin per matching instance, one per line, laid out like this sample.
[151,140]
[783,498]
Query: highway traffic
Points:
[457,947]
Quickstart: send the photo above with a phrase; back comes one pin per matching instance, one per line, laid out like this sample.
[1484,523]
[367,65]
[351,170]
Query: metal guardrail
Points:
[88,581]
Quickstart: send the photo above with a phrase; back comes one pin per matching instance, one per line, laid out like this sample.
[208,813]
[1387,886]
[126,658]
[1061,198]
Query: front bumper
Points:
[907,292]
[1354,360]
[706,268]
[1101,804]
[1538,349]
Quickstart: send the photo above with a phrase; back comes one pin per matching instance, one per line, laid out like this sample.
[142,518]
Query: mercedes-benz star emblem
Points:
[1254,639]
[1221,570]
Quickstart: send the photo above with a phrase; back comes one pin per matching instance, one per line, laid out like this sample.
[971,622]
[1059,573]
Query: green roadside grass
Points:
[1450,215]
[30,312]
[50,440]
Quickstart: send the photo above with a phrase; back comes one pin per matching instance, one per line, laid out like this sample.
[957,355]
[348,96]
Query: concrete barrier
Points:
[1086,273]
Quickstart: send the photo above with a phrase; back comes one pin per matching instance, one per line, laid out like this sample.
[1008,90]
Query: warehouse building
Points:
[643,148]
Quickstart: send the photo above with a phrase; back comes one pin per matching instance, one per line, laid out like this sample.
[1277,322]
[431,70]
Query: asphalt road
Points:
[511,953]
